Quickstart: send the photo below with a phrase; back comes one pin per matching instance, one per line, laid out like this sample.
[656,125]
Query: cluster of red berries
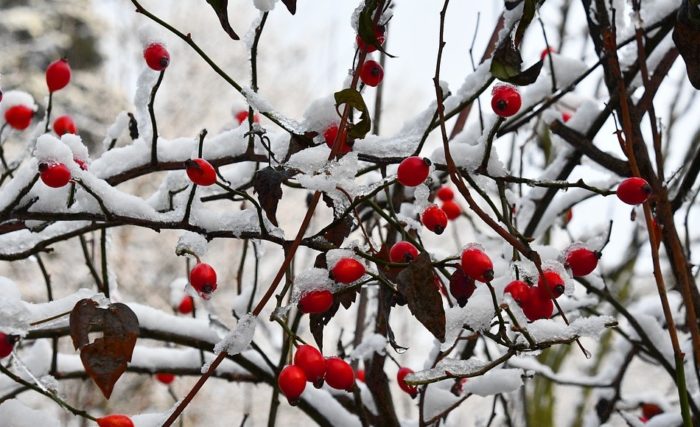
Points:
[310,365]
[346,270]
[200,172]
[203,279]
[115,420]
[451,208]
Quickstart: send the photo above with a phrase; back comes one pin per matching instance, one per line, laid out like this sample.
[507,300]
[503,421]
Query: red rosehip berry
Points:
[546,51]
[339,374]
[434,219]
[445,194]
[55,175]
[242,116]
[650,410]
[156,56]
[331,134]
[400,378]
[186,305]
[582,261]
[200,172]
[292,382]
[403,252]
[452,209]
[64,124]
[115,421]
[165,378]
[537,305]
[371,73]
[553,281]
[360,375]
[367,47]
[58,75]
[203,278]
[311,361]
[347,270]
[413,171]
[477,265]
[316,302]
[634,191]
[7,344]
[519,290]
[461,287]
[19,117]
[505,100]
[565,117]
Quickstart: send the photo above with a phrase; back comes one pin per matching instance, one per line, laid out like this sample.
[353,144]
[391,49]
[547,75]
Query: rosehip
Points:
[360,375]
[7,343]
[165,377]
[519,290]
[242,116]
[565,117]
[434,219]
[339,374]
[115,421]
[81,163]
[58,75]
[203,278]
[55,175]
[546,51]
[311,361]
[445,194]
[371,73]
[403,252]
[634,191]
[331,134]
[452,209]
[201,172]
[582,261]
[413,171]
[316,302]
[369,48]
[537,305]
[400,378]
[156,56]
[461,287]
[19,117]
[477,265]
[292,382]
[186,305]
[505,100]
[63,125]
[553,280]
[347,270]
[650,410]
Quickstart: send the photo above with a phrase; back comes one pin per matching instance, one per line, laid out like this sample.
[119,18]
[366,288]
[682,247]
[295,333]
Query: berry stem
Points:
[48,113]
[154,125]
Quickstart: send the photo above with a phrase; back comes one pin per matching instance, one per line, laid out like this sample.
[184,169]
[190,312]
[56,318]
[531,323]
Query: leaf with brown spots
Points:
[423,297]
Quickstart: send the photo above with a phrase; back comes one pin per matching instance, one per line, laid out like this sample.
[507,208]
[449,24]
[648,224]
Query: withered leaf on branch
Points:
[507,62]
[291,6]
[220,7]
[267,183]
[686,36]
[416,283]
[106,358]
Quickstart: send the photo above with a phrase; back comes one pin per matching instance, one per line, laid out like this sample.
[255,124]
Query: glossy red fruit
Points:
[115,420]
[19,117]
[553,280]
[403,252]
[461,287]
[360,375]
[537,305]
[55,175]
[582,261]
[369,48]
[186,305]
[434,219]
[650,410]
[400,378]
[339,374]
[330,135]
[242,116]
[413,171]
[203,278]
[519,290]
[311,361]
[505,100]
[546,51]
[371,73]
[165,378]
[7,343]
[58,75]
[634,191]
[316,302]
[477,265]
[445,194]
[64,124]
[347,270]
[201,172]
[565,117]
[292,382]
[452,209]
[156,56]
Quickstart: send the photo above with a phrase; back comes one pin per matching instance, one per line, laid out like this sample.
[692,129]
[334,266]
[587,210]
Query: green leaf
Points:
[354,99]
[506,61]
[220,7]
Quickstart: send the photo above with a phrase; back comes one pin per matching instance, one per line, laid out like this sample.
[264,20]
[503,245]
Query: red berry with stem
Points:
[347,270]
[316,302]
[156,56]
[461,287]
[403,252]
[582,261]
[55,175]
[371,73]
[201,172]
[477,265]
[400,378]
[311,361]
[434,219]
[368,47]
[242,116]
[186,305]
[445,194]
[634,191]
[58,75]
[292,382]
[413,171]
[650,410]
[330,136]
[553,281]
[505,100]
[115,420]
[537,305]
[519,290]
[203,278]
[7,344]
[339,374]
[19,117]
[63,125]
[452,209]
[360,375]
[165,378]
